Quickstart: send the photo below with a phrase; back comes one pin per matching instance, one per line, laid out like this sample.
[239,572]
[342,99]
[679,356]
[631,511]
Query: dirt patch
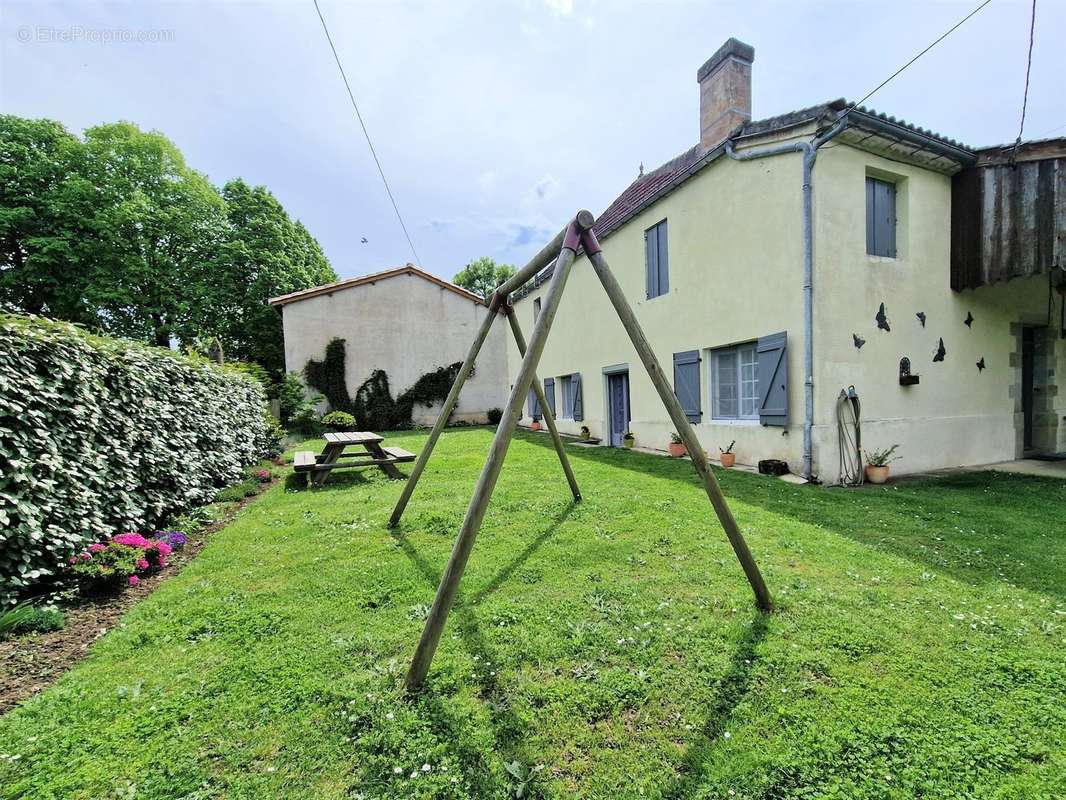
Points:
[33,662]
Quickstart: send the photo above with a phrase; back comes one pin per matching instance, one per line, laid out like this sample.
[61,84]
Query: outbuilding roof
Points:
[374,277]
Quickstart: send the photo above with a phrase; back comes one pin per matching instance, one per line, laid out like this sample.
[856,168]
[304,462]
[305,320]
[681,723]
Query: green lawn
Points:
[918,649]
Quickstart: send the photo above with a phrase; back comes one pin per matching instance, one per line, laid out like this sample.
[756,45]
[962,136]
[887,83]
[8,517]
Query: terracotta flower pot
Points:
[876,474]
[677,449]
[728,459]
[535,426]
[629,443]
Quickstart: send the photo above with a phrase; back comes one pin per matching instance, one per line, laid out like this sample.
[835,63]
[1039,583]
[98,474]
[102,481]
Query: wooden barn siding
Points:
[1007,221]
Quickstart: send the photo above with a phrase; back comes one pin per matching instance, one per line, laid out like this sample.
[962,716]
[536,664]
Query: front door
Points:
[618,406]
[1028,360]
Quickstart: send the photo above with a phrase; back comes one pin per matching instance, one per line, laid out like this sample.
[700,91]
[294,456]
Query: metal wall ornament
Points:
[941,351]
[882,319]
[905,377]
[981,364]
[858,341]
[968,322]
[921,317]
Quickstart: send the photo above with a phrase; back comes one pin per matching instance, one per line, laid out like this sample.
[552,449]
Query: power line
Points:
[943,36]
[362,124]
[1028,67]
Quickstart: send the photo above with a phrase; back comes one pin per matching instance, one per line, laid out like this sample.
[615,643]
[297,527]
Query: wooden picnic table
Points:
[333,456]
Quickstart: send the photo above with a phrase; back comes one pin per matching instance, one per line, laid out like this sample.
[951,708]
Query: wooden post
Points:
[549,418]
[677,415]
[445,412]
[475,512]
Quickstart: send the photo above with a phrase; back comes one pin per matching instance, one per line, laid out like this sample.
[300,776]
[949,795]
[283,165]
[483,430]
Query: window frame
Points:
[736,351]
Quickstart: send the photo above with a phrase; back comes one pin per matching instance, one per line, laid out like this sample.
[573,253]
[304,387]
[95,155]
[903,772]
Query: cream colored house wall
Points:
[736,270]
[957,415]
[735,254]
[406,326]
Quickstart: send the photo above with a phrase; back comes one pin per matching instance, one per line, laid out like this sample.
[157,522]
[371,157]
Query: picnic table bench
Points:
[333,456]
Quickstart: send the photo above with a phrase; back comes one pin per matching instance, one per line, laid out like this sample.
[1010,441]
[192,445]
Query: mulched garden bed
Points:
[32,662]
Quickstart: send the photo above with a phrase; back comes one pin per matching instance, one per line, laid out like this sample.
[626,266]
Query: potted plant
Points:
[629,440]
[536,424]
[585,433]
[677,446]
[877,463]
[728,457]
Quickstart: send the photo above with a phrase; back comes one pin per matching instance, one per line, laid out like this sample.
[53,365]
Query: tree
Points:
[482,275]
[41,219]
[117,233]
[158,227]
[266,254]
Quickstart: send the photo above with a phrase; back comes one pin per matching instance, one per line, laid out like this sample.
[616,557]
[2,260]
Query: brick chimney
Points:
[725,91]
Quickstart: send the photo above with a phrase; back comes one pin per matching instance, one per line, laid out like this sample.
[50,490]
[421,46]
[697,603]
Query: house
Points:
[403,321]
[924,273]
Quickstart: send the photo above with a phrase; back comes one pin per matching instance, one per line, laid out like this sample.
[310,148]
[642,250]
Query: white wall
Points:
[407,326]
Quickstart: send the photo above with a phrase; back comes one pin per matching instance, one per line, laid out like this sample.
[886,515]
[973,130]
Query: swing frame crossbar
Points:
[563,250]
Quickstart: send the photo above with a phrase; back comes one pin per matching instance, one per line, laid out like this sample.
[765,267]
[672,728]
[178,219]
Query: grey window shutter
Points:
[651,262]
[663,259]
[687,383]
[880,218]
[773,379]
[549,394]
[579,403]
[534,406]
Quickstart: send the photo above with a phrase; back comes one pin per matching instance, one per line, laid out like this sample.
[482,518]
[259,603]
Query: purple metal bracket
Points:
[590,243]
[573,236]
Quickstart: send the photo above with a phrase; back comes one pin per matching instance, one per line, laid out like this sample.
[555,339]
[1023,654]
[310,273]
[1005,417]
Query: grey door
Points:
[1028,358]
[618,406]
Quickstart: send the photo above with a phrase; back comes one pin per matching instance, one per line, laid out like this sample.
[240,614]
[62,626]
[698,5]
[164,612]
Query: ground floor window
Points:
[735,382]
[567,382]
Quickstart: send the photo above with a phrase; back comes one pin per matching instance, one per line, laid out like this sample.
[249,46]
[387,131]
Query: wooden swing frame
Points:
[563,250]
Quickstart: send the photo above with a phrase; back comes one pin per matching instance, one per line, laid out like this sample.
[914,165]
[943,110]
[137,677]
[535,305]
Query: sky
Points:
[496,121]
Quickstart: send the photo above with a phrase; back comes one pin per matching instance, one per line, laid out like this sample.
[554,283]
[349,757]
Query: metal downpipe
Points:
[810,154]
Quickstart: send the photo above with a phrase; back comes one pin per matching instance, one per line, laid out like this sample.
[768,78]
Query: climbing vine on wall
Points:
[328,376]
[374,407]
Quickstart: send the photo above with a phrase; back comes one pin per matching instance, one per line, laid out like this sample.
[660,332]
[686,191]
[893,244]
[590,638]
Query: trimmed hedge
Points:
[100,436]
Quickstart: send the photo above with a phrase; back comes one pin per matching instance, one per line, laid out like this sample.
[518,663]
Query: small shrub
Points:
[495,415]
[119,560]
[339,421]
[273,436]
[262,475]
[27,618]
[176,539]
[291,396]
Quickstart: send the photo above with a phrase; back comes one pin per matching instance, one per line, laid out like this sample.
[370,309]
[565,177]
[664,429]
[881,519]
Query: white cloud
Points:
[546,188]
[560,8]
[528,30]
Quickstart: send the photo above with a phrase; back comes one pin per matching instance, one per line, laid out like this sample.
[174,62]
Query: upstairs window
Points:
[880,218]
[656,260]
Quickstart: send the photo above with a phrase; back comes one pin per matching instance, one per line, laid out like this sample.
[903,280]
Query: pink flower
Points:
[96,548]
[162,562]
[133,540]
[73,560]
[86,557]
[164,548]
[134,580]
[142,563]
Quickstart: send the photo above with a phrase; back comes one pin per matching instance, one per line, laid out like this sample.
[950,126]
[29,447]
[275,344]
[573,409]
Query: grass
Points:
[604,650]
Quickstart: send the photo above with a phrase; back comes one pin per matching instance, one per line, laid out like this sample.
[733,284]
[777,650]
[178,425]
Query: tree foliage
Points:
[482,275]
[116,232]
